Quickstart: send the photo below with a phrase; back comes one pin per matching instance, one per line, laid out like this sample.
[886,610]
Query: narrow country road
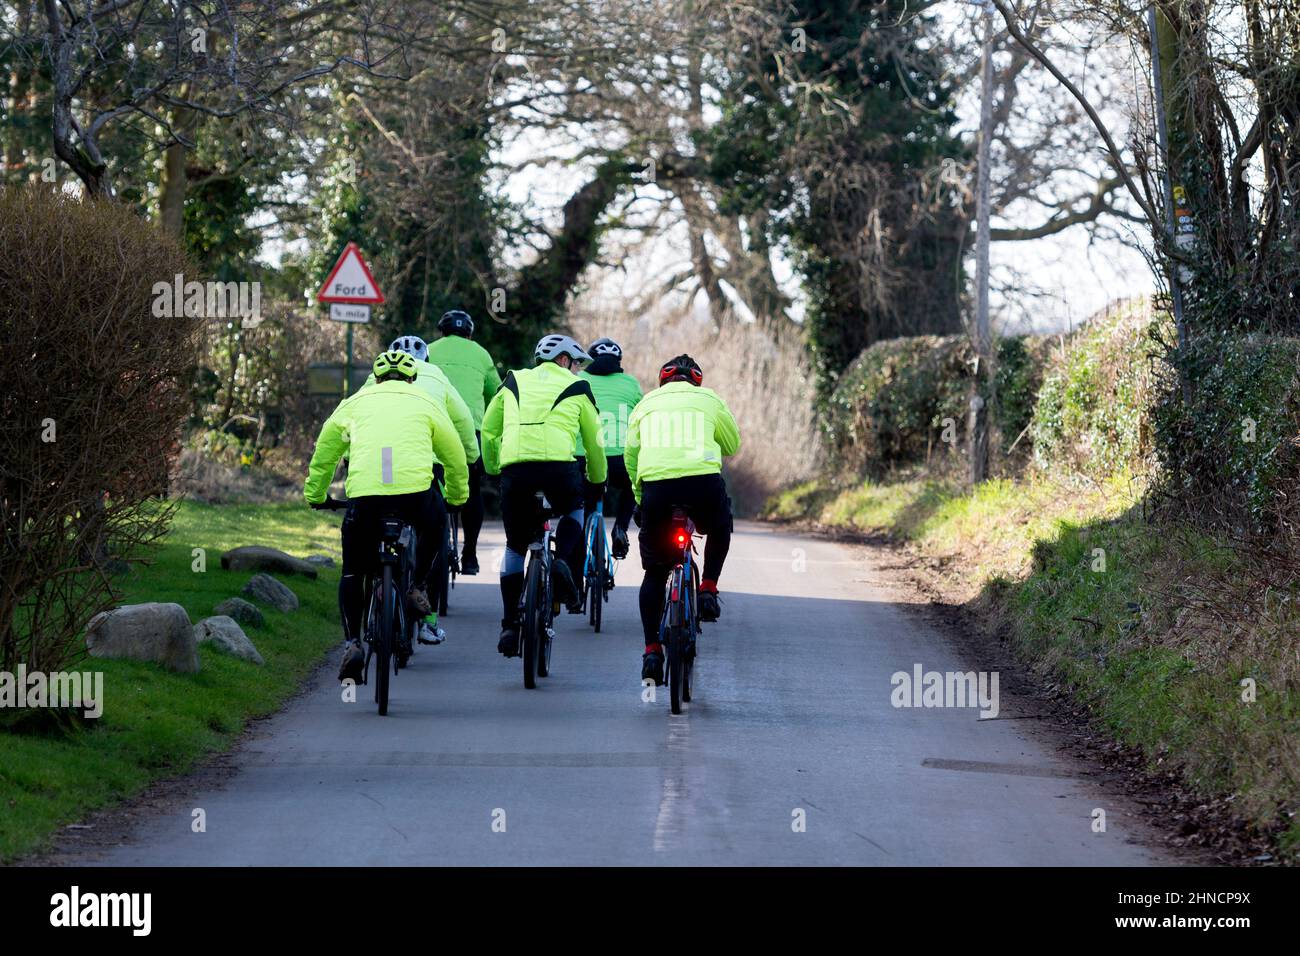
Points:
[793,721]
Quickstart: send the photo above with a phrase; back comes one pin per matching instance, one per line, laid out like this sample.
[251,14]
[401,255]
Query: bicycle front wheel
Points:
[531,624]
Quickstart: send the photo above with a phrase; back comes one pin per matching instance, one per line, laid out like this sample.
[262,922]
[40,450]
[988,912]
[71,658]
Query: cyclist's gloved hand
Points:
[320,505]
[454,509]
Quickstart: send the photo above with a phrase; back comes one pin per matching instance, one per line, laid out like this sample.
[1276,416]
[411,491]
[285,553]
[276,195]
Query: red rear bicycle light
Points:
[681,538]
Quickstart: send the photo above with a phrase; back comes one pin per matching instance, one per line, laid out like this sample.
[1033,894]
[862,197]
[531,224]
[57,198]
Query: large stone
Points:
[321,560]
[258,558]
[226,634]
[145,632]
[241,611]
[268,590]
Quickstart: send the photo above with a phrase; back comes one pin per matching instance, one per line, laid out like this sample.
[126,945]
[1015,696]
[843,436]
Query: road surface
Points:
[792,752]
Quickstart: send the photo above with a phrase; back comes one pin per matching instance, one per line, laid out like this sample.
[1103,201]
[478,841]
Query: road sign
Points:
[341,312]
[350,281]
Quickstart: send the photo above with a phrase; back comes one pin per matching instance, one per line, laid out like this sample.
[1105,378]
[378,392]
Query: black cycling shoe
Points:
[353,665]
[468,563]
[652,668]
[618,547]
[710,606]
[566,592]
[509,642]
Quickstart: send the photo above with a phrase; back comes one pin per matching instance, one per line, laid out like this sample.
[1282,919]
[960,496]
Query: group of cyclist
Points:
[434,418]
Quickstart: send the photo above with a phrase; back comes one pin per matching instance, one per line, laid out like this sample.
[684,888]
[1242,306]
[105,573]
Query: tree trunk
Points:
[174,184]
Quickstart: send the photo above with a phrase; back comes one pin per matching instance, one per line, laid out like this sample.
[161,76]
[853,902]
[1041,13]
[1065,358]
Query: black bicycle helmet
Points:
[682,367]
[456,322]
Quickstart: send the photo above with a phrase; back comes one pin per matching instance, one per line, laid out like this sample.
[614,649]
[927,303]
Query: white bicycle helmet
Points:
[412,345]
[606,347]
[553,346]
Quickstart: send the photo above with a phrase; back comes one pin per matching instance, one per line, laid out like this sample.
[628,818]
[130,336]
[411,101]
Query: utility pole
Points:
[977,425]
[1171,240]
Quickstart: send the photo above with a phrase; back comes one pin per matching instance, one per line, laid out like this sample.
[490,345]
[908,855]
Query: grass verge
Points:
[157,723]
[1162,631]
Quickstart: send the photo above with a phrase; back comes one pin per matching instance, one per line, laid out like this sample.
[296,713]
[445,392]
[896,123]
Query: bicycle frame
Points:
[679,627]
[536,633]
[681,596]
[599,523]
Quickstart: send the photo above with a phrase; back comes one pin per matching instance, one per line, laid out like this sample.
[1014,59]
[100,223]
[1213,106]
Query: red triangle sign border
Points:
[351,249]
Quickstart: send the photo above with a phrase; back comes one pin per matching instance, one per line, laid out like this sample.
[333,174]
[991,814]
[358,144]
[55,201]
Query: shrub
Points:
[1092,416]
[890,404]
[1231,450]
[94,394]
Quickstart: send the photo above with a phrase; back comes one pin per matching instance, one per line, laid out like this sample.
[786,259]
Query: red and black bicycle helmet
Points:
[682,367]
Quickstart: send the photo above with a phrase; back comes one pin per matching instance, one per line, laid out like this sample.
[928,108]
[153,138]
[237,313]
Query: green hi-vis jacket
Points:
[390,432]
[616,395]
[678,430]
[469,368]
[536,416]
[432,380]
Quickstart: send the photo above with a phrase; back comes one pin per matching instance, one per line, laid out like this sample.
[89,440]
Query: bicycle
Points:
[537,605]
[387,630]
[679,628]
[598,567]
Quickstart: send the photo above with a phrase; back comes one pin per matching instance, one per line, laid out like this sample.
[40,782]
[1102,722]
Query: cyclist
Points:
[390,432]
[473,374]
[528,436]
[433,381]
[617,393]
[676,440]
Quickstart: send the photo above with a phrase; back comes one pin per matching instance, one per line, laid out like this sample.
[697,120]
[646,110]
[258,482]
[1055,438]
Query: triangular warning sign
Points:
[350,281]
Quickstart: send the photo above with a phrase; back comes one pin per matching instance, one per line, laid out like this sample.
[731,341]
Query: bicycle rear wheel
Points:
[676,670]
[531,624]
[596,589]
[383,644]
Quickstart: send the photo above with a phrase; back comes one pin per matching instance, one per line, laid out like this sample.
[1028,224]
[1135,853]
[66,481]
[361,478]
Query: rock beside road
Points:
[241,611]
[258,558]
[268,590]
[226,634]
[161,633]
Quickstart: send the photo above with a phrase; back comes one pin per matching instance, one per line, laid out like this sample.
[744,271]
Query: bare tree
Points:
[159,66]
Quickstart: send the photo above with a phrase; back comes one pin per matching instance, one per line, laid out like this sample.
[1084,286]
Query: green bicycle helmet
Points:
[394,364]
